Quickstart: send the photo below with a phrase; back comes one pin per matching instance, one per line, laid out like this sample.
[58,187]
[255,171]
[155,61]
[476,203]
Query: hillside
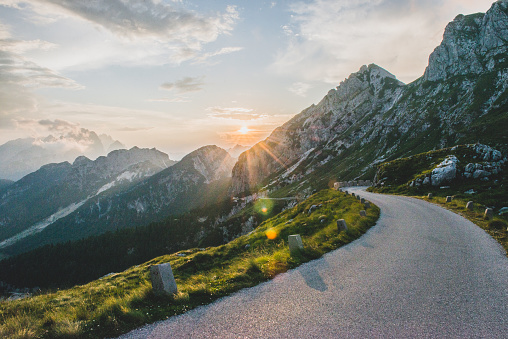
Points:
[372,117]
[122,301]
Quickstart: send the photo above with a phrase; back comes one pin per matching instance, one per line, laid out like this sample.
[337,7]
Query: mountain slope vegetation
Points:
[371,117]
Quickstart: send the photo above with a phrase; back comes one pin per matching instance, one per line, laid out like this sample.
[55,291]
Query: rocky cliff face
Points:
[371,90]
[372,117]
[471,44]
[198,178]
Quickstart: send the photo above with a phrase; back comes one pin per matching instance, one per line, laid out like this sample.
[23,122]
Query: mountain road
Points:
[420,272]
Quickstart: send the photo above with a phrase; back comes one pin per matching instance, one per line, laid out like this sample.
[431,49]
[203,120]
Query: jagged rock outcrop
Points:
[371,117]
[471,44]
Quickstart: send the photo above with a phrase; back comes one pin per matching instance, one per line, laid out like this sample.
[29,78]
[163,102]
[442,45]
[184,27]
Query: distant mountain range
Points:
[23,156]
[39,199]
[236,150]
[63,202]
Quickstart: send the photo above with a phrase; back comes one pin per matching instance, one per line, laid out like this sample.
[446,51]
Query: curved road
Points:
[421,272]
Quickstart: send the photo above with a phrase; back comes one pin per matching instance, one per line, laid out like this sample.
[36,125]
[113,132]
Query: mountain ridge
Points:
[54,187]
[371,117]
[202,176]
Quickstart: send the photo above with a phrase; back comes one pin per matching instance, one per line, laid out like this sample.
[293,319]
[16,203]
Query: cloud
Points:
[64,137]
[19,75]
[234,113]
[58,125]
[160,30]
[149,19]
[329,39]
[184,85]
[181,99]
[133,129]
[222,51]
[42,127]
[300,88]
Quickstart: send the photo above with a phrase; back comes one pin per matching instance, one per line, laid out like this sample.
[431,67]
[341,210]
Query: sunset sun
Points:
[244,130]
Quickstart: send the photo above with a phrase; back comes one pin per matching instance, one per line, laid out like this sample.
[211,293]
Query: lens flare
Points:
[263,206]
[271,234]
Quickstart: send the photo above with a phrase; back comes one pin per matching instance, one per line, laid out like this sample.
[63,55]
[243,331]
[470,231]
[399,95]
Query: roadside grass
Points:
[496,227]
[121,302]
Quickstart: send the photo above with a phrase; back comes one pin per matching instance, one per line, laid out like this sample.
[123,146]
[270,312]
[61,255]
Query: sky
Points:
[178,74]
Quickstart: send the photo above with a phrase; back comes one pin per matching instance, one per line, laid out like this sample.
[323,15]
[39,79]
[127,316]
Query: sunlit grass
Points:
[496,227]
[118,303]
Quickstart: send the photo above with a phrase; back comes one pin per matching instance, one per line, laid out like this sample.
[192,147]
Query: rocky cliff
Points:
[371,117]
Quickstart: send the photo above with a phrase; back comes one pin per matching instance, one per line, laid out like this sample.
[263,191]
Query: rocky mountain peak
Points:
[471,44]
[211,161]
[81,161]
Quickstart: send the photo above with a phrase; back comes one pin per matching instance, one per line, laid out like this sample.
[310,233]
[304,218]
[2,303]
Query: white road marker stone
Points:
[295,243]
[163,281]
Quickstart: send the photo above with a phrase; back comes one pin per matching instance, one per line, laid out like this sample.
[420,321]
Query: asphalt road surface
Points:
[421,272]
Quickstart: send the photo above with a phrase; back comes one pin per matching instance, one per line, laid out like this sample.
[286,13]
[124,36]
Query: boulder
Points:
[366,205]
[445,171]
[363,213]
[478,174]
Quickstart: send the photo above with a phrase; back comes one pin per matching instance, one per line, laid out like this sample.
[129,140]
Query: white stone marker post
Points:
[429,195]
[448,198]
[469,205]
[295,243]
[341,225]
[163,281]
